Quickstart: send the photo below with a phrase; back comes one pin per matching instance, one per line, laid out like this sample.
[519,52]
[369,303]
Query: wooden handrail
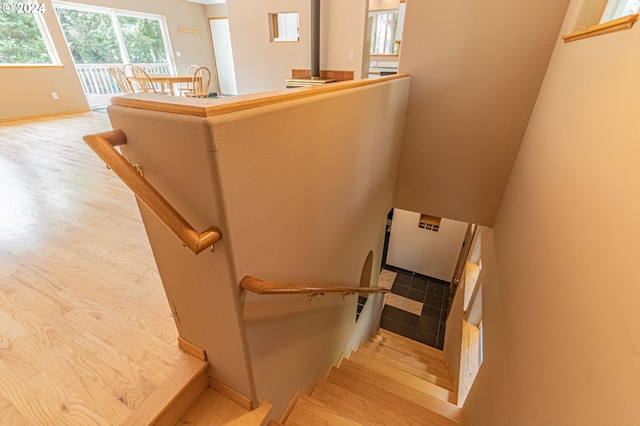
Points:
[258,286]
[103,144]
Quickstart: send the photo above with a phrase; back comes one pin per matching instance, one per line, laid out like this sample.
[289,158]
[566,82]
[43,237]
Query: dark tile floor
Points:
[429,325]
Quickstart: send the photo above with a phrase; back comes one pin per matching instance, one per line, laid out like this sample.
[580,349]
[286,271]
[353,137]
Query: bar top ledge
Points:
[225,105]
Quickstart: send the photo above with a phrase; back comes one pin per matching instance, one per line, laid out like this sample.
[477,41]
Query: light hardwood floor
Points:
[85,331]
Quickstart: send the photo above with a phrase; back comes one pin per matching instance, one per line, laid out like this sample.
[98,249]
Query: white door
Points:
[223,55]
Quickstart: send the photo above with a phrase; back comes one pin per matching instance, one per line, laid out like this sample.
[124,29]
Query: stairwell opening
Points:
[420,266]
[425,304]
[365,281]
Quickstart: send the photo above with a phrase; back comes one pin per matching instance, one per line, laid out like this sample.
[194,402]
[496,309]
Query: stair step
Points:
[212,408]
[413,351]
[168,403]
[367,358]
[409,412]
[255,417]
[401,376]
[402,343]
[419,396]
[436,368]
[308,411]
[355,407]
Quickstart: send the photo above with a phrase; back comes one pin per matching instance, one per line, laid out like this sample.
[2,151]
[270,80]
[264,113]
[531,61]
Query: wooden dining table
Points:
[169,82]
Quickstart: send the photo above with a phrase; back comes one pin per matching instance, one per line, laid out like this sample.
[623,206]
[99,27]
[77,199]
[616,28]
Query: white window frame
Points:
[114,17]
[618,8]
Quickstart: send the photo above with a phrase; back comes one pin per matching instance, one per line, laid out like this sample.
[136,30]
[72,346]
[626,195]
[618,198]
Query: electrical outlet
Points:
[178,54]
[54,95]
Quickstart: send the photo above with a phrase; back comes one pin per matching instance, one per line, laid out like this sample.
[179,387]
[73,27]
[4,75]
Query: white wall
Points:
[561,323]
[342,33]
[27,91]
[296,200]
[262,65]
[307,202]
[475,73]
[175,152]
[216,10]
[430,253]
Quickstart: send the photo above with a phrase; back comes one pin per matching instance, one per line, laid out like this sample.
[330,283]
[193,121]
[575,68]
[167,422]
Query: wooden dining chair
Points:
[192,69]
[121,79]
[199,84]
[140,80]
[186,87]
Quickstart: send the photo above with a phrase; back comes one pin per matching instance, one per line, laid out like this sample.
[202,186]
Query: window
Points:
[384,26]
[429,223]
[90,35]
[284,27]
[99,37]
[106,36]
[601,17]
[143,39]
[24,39]
[618,8]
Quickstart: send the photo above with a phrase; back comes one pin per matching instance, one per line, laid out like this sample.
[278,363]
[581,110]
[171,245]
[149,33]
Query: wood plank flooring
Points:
[85,331]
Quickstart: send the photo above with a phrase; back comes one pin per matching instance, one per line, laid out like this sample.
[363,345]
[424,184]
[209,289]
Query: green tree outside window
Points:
[90,35]
[21,41]
[143,39]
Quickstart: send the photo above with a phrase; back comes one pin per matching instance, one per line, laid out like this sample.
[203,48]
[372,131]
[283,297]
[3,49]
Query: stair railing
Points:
[103,144]
[258,286]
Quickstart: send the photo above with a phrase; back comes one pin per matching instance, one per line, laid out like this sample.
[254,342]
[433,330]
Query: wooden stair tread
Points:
[432,371]
[254,417]
[409,351]
[436,368]
[347,403]
[419,396]
[366,358]
[386,336]
[212,408]
[307,412]
[401,376]
[174,396]
[411,413]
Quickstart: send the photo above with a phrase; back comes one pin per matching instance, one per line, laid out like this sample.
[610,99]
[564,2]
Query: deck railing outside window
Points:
[96,80]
